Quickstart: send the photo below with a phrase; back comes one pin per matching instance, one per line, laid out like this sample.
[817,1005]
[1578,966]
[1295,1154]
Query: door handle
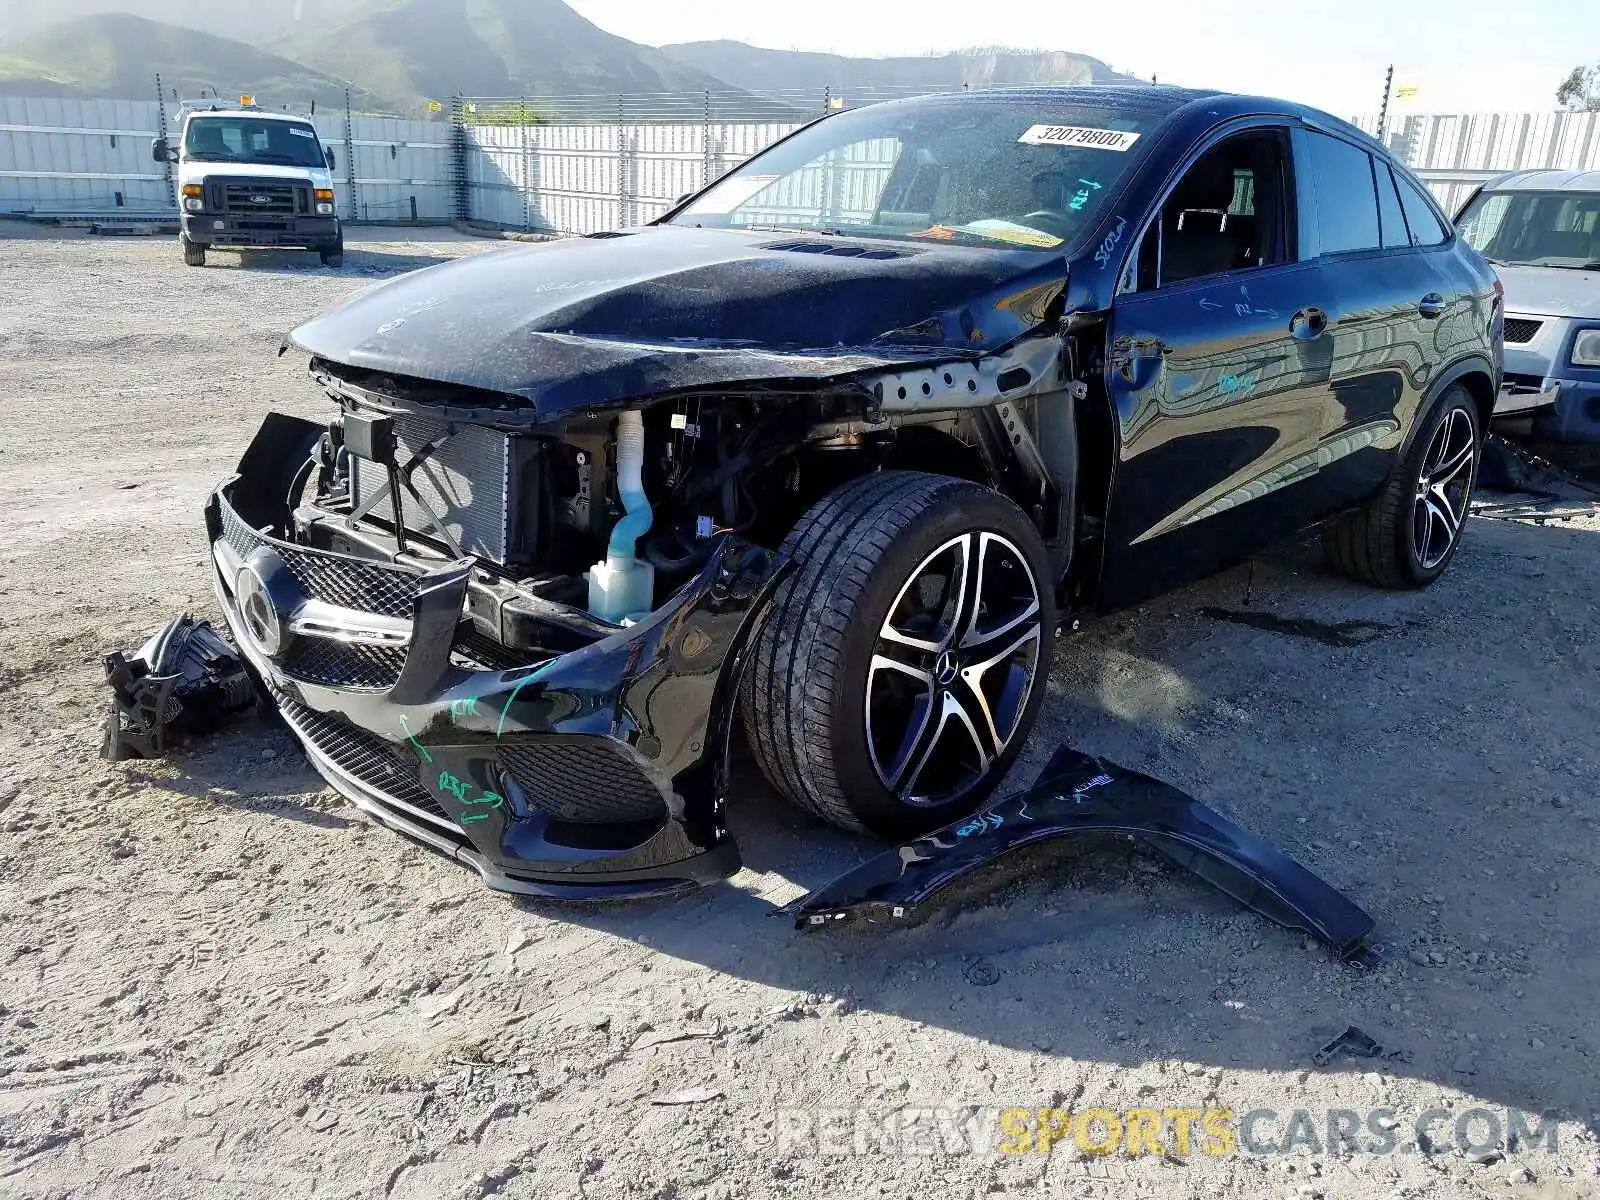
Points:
[1308,323]
[1431,305]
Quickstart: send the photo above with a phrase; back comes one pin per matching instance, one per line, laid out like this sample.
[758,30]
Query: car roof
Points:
[1164,102]
[1545,181]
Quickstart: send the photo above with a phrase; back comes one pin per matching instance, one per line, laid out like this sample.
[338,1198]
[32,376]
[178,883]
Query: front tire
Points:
[1406,535]
[900,666]
[332,256]
[194,253]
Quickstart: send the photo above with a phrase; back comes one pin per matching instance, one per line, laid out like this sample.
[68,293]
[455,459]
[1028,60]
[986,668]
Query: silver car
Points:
[1541,231]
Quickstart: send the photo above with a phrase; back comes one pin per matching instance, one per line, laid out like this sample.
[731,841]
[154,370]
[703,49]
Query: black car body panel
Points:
[1153,425]
[589,323]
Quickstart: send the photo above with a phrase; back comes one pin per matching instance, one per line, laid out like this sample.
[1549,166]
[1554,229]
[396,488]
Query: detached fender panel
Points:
[1077,794]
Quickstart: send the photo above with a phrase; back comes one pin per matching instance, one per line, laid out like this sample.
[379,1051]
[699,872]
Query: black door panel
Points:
[1221,408]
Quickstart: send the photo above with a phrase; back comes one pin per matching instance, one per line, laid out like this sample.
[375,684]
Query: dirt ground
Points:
[218,980]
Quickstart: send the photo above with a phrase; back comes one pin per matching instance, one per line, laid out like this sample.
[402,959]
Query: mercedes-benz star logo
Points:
[261,618]
[945,669]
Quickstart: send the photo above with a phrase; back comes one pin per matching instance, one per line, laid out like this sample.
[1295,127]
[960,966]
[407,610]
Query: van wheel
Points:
[899,667]
[194,254]
[333,256]
[1406,535]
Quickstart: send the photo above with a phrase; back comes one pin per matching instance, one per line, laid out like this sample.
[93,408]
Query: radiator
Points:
[467,482]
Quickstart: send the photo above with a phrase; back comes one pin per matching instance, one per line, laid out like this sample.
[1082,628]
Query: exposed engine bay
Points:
[582,524]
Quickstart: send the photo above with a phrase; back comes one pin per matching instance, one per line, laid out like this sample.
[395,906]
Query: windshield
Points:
[1535,229]
[252,140]
[1003,173]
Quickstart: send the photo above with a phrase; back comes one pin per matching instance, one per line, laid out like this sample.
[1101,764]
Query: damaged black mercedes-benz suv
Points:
[829,452]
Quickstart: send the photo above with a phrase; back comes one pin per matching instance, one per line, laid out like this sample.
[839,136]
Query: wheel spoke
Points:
[1442,512]
[968,589]
[1451,467]
[972,685]
[956,583]
[1422,529]
[953,720]
[916,723]
[977,638]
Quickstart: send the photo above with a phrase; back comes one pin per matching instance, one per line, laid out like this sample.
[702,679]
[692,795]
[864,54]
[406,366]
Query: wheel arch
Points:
[1476,375]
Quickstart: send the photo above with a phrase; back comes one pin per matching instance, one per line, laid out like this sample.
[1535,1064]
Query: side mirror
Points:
[159,151]
[333,163]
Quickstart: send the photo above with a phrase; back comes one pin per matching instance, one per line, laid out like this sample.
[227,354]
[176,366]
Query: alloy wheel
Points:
[952,668]
[1443,488]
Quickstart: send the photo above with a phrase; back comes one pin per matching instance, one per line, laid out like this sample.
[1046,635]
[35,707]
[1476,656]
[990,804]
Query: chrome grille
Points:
[372,587]
[253,199]
[365,757]
[1520,329]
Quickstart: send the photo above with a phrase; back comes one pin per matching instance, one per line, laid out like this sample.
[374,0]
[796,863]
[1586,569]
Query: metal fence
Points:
[587,164]
[91,158]
[1454,153]
[590,164]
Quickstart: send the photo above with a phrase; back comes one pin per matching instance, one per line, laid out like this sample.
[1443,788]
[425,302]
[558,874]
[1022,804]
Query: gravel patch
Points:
[216,979]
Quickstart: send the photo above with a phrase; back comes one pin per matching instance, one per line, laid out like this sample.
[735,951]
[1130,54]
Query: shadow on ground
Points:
[1437,768]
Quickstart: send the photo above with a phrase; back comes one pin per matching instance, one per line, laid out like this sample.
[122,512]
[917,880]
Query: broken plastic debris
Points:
[186,680]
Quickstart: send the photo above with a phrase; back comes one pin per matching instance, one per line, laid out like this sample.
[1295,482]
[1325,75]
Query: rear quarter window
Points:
[1426,227]
[1347,205]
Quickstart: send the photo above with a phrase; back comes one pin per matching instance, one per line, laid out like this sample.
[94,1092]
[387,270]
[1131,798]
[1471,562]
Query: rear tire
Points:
[1406,535]
[194,253]
[900,666]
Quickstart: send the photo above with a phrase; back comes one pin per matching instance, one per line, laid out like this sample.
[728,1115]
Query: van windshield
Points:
[1007,173]
[252,140]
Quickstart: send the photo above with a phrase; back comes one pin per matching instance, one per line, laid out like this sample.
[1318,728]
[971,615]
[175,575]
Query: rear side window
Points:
[1347,205]
[1426,227]
[1394,225]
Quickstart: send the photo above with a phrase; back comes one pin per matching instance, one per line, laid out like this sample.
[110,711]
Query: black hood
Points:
[588,322]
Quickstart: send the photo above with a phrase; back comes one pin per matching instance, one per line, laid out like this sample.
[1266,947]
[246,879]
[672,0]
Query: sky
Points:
[1462,55]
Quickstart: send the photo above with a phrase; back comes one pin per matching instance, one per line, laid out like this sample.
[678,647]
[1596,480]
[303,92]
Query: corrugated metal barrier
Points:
[587,164]
[91,158]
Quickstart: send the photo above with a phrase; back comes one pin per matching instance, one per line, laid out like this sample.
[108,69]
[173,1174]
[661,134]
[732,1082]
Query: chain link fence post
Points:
[161,132]
[350,158]
[526,184]
[461,200]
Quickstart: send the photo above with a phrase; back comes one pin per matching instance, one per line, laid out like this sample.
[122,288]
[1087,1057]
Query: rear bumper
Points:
[210,229]
[499,769]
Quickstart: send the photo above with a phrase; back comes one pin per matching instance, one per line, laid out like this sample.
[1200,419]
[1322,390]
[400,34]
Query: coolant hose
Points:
[626,533]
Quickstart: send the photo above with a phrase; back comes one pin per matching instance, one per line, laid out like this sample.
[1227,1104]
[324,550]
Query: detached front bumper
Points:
[519,773]
[215,229]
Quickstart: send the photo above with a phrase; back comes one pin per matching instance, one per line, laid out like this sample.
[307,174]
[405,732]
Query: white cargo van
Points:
[249,177]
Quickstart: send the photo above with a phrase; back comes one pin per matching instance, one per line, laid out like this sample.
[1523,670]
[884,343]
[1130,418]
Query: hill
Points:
[118,54]
[252,21]
[435,48]
[761,70]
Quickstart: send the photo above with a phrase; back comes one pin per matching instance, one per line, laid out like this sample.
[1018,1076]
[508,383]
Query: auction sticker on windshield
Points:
[1079,135]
